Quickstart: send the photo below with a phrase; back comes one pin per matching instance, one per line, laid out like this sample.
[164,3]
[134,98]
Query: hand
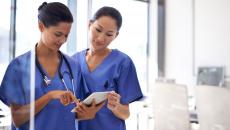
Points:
[113,100]
[65,97]
[87,112]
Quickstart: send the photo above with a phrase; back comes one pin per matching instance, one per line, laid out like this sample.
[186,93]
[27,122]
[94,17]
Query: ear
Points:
[41,26]
[117,34]
[90,23]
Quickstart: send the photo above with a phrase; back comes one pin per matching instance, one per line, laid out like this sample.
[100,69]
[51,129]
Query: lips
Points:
[99,44]
[58,46]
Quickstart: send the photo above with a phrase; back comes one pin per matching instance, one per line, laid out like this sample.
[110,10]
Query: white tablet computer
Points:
[98,96]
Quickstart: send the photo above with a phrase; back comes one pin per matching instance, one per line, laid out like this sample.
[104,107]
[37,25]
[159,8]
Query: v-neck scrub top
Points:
[116,72]
[15,88]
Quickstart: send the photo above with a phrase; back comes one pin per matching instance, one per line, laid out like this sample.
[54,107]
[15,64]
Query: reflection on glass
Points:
[5,116]
[16,84]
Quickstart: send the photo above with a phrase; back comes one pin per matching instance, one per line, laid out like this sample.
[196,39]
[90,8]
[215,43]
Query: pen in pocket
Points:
[106,85]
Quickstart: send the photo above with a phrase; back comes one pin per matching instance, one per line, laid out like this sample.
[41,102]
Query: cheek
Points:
[109,40]
[48,40]
[92,36]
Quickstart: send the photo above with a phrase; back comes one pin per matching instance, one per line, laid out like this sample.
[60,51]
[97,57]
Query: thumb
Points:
[99,106]
[93,102]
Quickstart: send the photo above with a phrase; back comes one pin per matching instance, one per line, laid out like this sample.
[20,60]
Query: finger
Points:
[72,96]
[93,102]
[100,105]
[77,101]
[112,92]
[111,107]
[68,99]
[79,110]
[112,99]
[82,107]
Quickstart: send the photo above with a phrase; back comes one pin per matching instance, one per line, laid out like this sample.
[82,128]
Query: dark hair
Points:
[109,11]
[53,13]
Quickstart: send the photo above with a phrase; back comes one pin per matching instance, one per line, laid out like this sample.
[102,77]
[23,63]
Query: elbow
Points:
[19,115]
[16,123]
[17,120]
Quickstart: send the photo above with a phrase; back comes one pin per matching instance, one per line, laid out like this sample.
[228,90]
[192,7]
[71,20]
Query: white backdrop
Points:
[212,33]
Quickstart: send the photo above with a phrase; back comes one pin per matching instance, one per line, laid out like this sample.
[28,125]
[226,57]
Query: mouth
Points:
[99,43]
[58,46]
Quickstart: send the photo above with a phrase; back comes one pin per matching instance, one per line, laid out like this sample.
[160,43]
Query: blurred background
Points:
[182,42]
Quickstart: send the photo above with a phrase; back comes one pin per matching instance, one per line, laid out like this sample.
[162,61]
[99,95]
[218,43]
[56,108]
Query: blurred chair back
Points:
[170,106]
[213,107]
[210,76]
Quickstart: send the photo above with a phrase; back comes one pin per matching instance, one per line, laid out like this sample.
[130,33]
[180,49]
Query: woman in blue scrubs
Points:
[107,69]
[54,99]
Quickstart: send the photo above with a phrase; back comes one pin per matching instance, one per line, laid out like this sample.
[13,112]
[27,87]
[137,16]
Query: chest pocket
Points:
[111,85]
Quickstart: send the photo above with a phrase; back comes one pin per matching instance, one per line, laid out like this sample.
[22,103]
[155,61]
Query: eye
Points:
[98,30]
[109,35]
[58,34]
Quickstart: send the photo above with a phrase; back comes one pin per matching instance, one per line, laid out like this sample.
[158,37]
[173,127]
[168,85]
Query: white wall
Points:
[197,33]
[179,41]
[212,34]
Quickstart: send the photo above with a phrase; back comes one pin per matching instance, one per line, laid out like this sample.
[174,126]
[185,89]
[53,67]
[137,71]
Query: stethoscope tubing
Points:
[46,79]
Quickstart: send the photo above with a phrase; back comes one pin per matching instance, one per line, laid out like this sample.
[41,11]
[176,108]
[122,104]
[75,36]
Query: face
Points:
[54,36]
[102,32]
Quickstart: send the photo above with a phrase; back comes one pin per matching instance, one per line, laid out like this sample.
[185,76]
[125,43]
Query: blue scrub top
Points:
[117,72]
[15,88]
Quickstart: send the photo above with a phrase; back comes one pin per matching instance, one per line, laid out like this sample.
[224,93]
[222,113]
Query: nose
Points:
[62,40]
[101,37]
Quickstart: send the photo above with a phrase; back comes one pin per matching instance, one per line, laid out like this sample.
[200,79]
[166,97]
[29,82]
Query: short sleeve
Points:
[11,90]
[128,84]
[82,89]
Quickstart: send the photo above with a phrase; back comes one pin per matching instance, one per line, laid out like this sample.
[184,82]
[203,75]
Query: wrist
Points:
[80,117]
[49,95]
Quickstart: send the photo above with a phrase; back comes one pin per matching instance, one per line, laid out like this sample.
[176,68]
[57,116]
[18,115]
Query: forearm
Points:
[21,114]
[121,111]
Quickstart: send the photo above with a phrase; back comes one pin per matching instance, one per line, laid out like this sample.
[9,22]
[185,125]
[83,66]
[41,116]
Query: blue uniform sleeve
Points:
[82,89]
[129,88]
[11,90]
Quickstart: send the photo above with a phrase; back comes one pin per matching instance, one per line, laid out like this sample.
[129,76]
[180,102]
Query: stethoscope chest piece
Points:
[47,81]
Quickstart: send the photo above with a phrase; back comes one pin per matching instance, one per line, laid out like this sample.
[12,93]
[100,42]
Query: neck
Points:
[43,51]
[103,52]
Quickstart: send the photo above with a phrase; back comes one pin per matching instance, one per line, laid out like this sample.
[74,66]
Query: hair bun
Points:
[43,5]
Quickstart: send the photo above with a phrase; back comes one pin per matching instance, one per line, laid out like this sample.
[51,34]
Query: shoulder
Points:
[18,66]
[79,55]
[121,57]
[72,62]
[22,61]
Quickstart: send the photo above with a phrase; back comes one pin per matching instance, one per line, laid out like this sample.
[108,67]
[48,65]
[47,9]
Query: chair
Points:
[210,76]
[170,106]
[213,107]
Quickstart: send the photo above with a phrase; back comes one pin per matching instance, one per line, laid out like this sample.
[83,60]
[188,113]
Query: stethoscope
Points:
[48,81]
